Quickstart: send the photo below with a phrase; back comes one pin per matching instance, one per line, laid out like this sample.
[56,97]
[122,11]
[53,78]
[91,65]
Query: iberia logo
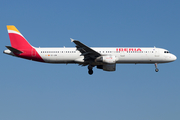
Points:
[128,49]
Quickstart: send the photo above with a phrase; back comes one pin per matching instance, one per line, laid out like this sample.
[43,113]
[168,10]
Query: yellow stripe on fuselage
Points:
[12,27]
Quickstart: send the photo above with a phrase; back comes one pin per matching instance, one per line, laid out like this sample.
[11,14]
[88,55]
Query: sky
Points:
[39,91]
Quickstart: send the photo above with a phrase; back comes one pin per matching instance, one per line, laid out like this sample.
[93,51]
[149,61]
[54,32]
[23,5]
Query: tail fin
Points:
[17,39]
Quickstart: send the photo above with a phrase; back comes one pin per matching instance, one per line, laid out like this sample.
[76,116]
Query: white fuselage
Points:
[123,55]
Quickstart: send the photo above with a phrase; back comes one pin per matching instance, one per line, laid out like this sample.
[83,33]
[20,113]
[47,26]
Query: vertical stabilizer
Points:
[17,39]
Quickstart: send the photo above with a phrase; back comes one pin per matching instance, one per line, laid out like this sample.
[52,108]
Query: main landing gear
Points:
[156,67]
[90,70]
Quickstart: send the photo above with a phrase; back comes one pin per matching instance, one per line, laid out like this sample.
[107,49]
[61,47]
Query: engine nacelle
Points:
[106,59]
[107,67]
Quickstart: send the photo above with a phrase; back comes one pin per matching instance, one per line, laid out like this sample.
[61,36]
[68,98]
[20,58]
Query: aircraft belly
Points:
[137,58]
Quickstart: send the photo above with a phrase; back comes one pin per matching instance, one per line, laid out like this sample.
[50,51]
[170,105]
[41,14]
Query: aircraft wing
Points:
[86,51]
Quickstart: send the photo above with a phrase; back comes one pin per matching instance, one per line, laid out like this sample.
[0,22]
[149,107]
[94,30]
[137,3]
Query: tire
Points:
[156,69]
[90,72]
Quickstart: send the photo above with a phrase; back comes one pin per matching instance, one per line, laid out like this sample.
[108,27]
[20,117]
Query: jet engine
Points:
[106,59]
[107,67]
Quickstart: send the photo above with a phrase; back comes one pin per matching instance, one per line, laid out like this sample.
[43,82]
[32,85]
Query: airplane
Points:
[104,58]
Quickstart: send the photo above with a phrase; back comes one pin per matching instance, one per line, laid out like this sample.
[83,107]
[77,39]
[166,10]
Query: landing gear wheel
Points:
[90,67]
[90,71]
[156,69]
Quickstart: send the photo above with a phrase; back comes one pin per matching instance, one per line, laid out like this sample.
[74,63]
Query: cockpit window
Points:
[166,52]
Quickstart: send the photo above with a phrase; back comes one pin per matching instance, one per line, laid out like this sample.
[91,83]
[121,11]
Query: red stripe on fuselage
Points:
[30,54]
[20,43]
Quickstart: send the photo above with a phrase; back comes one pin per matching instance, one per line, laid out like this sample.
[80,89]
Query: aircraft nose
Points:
[173,57]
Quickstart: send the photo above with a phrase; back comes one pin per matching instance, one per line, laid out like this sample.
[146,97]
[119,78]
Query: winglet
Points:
[72,39]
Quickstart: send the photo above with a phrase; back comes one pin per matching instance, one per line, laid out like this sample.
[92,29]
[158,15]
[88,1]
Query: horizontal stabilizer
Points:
[14,50]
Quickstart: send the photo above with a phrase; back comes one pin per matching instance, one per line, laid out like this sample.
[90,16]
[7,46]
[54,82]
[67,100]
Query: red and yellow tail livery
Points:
[20,47]
[17,39]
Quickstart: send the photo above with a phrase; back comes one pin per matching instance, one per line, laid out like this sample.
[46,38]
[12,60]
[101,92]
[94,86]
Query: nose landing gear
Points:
[156,67]
[90,70]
